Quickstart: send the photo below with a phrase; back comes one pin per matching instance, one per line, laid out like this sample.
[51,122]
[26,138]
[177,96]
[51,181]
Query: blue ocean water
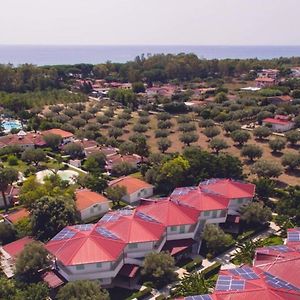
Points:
[53,55]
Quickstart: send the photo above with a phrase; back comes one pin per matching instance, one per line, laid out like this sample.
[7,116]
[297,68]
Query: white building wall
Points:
[97,210]
[135,197]
[236,204]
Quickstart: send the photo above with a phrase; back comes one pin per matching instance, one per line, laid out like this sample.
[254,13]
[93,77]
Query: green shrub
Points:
[12,160]
[160,297]
[141,294]
[212,270]
[195,263]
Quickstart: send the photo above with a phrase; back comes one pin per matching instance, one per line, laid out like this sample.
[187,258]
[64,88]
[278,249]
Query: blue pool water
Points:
[9,125]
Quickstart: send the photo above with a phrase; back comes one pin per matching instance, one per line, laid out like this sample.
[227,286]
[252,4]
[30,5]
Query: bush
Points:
[160,297]
[141,294]
[212,270]
[195,263]
[12,160]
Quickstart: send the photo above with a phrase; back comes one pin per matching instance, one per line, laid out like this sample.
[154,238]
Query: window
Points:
[99,207]
[173,228]
[182,229]
[215,213]
[240,201]
[207,213]
[223,214]
[80,267]
[133,246]
[98,265]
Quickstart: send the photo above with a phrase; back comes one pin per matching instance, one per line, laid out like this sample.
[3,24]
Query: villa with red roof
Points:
[279,123]
[65,135]
[262,82]
[122,238]
[136,188]
[90,204]
[22,139]
[9,253]
[16,216]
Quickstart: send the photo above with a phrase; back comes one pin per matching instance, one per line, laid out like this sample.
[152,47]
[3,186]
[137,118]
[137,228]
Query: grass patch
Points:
[273,240]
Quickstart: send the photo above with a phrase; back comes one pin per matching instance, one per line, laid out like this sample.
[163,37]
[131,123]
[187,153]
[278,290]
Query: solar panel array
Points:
[293,236]
[106,233]
[279,283]
[145,217]
[84,227]
[245,272]
[199,297]
[65,234]
[227,283]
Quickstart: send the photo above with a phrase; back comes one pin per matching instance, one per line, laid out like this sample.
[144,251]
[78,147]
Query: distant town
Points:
[166,177]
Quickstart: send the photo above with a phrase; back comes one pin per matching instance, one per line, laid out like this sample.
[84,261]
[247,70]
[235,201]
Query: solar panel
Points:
[245,272]
[293,236]
[199,297]
[125,212]
[145,217]
[110,217]
[227,283]
[65,234]
[279,283]
[84,227]
[106,233]
[280,248]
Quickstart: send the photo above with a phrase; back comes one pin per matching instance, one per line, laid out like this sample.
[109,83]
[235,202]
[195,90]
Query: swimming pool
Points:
[68,175]
[9,125]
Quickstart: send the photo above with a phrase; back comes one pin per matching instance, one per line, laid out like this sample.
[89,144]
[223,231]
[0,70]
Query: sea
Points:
[62,55]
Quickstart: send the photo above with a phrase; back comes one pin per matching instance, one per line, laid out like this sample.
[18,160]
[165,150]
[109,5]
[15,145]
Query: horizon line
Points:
[151,45]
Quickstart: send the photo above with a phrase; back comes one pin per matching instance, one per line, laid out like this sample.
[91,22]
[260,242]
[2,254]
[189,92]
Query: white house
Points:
[136,188]
[90,204]
[278,124]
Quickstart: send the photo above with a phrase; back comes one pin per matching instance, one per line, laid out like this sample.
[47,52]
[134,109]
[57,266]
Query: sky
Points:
[150,22]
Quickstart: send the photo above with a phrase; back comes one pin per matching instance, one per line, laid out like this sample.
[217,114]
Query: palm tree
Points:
[7,177]
[246,251]
[191,284]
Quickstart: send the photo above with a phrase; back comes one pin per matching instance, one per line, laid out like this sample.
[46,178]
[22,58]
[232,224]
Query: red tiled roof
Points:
[52,280]
[132,228]
[29,138]
[18,215]
[73,246]
[169,213]
[16,247]
[276,260]
[132,184]
[276,121]
[198,199]
[60,132]
[86,198]
[229,188]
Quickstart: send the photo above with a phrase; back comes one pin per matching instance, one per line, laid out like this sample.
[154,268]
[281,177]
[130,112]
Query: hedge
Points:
[250,233]
[141,294]
[191,266]
[212,270]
